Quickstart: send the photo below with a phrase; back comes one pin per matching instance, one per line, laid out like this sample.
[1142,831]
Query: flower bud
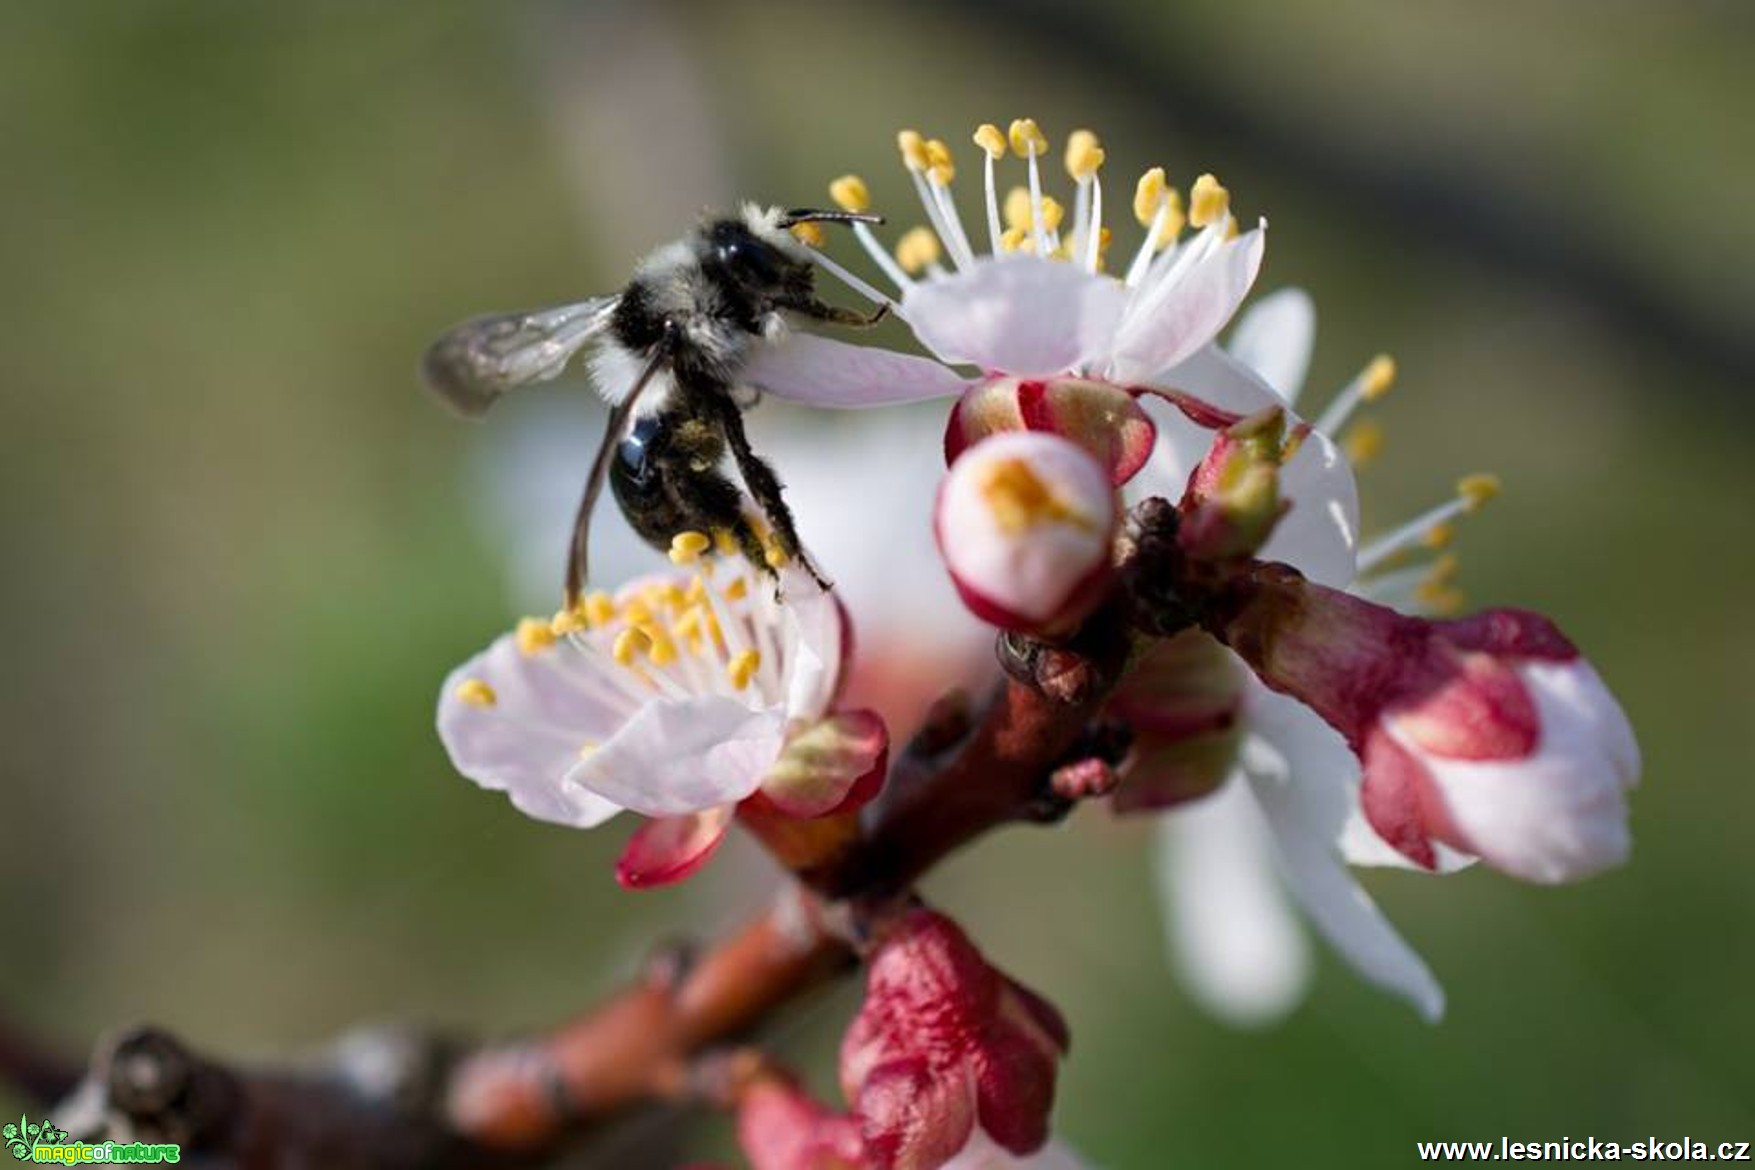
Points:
[945,1045]
[1490,734]
[1233,498]
[1026,524]
[1182,700]
[781,1127]
[1104,419]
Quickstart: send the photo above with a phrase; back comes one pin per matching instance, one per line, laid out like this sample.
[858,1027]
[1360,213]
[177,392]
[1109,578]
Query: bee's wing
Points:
[472,364]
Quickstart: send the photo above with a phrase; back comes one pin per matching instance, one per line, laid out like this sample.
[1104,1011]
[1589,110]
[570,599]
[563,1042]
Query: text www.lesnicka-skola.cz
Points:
[1584,1150]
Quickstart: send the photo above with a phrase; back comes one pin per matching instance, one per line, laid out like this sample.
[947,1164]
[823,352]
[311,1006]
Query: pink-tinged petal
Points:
[686,756]
[1303,784]
[1017,315]
[1274,337]
[528,739]
[1233,940]
[1163,328]
[1561,813]
[913,1117]
[983,1154]
[818,637]
[669,849]
[781,1128]
[823,764]
[1014,1084]
[1025,523]
[1396,800]
[825,372]
[1481,711]
[1320,533]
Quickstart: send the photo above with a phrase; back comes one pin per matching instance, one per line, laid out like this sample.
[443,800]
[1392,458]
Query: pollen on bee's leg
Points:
[686,547]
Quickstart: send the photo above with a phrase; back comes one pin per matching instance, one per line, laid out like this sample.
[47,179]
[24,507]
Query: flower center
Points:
[713,630]
[1020,501]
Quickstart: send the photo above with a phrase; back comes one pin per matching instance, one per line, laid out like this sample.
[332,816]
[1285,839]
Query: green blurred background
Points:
[242,547]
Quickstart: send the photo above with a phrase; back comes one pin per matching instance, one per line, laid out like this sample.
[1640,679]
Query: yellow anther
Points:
[599,609]
[737,590]
[533,636]
[809,234]
[917,250]
[660,649]
[1027,138]
[696,592]
[1439,536]
[1208,202]
[742,668]
[1019,214]
[1444,569]
[851,194]
[1016,240]
[1442,600]
[588,749]
[673,597]
[1437,592]
[1476,490]
[629,644]
[1083,155]
[725,542]
[476,692]
[940,165]
[1019,500]
[1363,442]
[636,612]
[991,139]
[686,547]
[913,148]
[772,553]
[1377,377]
[1148,195]
[566,621]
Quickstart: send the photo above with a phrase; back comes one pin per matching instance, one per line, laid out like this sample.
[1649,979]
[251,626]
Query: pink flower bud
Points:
[1490,734]
[1026,523]
[1104,419]
[1183,700]
[945,1044]
[781,1127]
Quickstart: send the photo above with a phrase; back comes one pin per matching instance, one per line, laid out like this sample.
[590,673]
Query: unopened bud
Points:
[1233,497]
[1026,523]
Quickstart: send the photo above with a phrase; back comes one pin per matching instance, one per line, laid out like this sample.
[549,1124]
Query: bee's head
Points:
[758,247]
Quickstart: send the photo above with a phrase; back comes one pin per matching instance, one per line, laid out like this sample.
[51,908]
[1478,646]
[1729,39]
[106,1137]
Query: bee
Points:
[670,348]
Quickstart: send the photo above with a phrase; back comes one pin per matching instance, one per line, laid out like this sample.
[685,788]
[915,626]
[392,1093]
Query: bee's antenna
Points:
[800,215]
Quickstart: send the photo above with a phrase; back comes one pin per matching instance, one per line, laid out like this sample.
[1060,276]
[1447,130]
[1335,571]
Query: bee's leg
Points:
[835,315]
[764,485]
[711,503]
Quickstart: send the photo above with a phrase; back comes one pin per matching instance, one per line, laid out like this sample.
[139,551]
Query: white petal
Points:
[1274,338]
[525,744]
[1560,814]
[983,1153]
[684,757]
[1017,315]
[1306,791]
[1233,938]
[1163,328]
[825,372]
[815,632]
[1321,532]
